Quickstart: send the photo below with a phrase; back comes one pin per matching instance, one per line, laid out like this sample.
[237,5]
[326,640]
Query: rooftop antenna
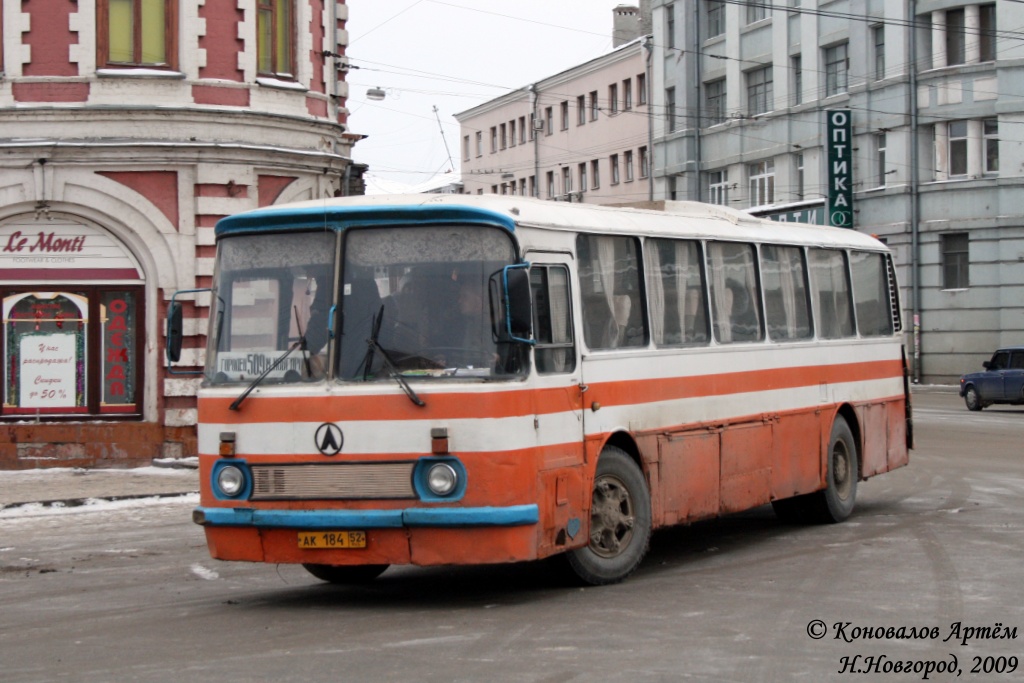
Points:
[451,164]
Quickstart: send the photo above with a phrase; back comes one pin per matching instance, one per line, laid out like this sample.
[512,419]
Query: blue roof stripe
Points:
[274,219]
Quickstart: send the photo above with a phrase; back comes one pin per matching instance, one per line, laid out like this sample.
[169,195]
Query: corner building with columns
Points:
[127,129]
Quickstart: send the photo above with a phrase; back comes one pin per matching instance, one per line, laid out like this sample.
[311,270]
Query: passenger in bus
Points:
[743,317]
[470,342]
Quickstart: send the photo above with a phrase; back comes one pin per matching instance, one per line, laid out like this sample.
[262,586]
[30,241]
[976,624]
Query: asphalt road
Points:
[935,548]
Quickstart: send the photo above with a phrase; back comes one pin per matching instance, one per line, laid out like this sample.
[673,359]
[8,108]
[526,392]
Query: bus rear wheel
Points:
[620,522]
[346,575]
[835,503]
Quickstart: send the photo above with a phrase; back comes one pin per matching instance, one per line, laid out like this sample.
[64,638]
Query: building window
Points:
[799,176]
[837,67]
[504,136]
[595,106]
[275,42]
[479,143]
[670,26]
[137,33]
[551,184]
[522,130]
[990,130]
[759,91]
[957,148]
[955,37]
[670,109]
[627,163]
[955,260]
[465,148]
[595,174]
[522,186]
[581,110]
[627,94]
[880,146]
[757,10]
[72,351]
[613,167]
[565,115]
[583,176]
[797,70]
[714,102]
[718,187]
[986,32]
[762,182]
[512,133]
[533,186]
[645,163]
[566,181]
[878,38]
[613,98]
[641,89]
[549,120]
[716,18]
[494,139]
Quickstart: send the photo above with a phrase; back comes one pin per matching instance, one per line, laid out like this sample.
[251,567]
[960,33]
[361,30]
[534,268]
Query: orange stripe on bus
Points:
[520,402]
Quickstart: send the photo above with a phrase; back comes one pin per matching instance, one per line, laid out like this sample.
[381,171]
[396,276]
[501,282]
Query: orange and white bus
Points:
[459,379]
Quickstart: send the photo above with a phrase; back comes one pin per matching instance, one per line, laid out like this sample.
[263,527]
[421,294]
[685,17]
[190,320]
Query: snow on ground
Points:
[93,505]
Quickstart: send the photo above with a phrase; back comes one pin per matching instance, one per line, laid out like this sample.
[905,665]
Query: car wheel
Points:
[972,398]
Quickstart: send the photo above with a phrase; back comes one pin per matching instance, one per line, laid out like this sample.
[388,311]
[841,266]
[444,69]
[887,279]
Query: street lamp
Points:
[376,94]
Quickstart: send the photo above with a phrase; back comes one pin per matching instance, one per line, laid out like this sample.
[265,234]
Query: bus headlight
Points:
[230,480]
[442,479]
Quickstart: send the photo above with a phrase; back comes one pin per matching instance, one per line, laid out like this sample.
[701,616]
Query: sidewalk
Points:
[74,486]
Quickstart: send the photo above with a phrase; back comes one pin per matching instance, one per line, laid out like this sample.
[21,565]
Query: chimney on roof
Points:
[626,24]
[631,22]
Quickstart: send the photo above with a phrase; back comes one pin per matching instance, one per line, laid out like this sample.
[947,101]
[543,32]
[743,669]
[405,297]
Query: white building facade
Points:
[582,135]
[741,93]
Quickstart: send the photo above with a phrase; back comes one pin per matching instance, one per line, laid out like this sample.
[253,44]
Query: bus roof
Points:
[670,219]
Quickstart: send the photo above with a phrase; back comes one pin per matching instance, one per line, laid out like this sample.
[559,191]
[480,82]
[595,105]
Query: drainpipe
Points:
[915,197]
[536,140]
[649,47]
[697,103]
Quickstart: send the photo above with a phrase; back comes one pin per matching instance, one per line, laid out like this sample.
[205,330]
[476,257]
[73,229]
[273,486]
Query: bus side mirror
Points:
[174,332]
[510,301]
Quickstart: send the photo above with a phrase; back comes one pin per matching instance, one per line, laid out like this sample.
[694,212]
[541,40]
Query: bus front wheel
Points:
[620,521]
[835,503]
[346,575]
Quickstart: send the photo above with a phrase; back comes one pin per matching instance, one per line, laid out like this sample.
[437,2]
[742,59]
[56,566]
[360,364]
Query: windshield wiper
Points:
[374,345]
[299,343]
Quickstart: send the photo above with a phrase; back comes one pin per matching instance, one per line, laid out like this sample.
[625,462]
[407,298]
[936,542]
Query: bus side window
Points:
[555,351]
[675,292]
[831,288]
[787,309]
[613,312]
[871,294]
[735,296]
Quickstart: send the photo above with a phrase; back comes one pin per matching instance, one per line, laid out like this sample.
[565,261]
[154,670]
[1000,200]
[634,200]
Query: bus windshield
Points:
[418,300]
[263,295]
[412,301]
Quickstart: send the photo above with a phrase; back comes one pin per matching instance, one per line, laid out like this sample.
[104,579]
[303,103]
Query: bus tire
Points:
[835,503]
[620,522]
[346,575]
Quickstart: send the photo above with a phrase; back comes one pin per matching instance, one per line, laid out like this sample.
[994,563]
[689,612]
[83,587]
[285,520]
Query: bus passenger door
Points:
[558,403]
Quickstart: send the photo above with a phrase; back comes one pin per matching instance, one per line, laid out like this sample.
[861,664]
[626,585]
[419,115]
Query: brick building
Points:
[127,129]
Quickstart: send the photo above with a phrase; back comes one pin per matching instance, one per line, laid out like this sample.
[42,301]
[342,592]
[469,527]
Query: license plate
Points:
[316,540]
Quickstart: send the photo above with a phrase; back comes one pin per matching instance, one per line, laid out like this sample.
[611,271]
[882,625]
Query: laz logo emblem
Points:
[329,439]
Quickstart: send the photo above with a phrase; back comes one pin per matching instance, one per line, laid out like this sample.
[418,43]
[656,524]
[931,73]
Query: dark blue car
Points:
[1002,380]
